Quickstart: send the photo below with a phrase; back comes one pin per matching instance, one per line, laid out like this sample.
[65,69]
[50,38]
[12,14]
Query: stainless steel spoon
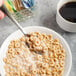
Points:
[4,9]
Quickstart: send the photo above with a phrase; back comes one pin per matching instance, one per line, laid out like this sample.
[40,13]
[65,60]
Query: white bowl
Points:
[18,34]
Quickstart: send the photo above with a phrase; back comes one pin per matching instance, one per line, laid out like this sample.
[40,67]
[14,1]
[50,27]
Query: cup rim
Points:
[69,22]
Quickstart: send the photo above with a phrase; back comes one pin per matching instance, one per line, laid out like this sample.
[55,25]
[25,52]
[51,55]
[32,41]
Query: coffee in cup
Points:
[66,15]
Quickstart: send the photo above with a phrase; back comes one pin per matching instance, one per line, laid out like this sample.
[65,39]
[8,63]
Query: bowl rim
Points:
[45,28]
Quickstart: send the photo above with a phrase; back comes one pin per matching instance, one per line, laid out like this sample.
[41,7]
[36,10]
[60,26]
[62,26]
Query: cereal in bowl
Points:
[44,56]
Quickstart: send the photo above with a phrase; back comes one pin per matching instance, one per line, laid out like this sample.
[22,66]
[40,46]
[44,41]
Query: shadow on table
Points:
[50,22]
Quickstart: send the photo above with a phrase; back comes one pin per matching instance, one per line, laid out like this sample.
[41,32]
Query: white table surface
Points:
[46,17]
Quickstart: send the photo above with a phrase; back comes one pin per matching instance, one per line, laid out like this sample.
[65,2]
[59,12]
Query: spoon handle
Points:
[4,9]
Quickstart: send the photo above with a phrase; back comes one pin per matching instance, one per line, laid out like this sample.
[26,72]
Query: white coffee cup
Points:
[63,23]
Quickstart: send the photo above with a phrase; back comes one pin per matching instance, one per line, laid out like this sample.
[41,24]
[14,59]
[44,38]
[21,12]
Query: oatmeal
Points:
[44,56]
